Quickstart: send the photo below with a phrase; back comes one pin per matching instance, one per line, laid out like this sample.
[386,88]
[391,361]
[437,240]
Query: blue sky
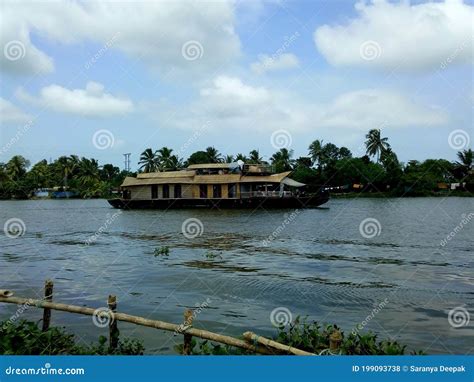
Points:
[99,80]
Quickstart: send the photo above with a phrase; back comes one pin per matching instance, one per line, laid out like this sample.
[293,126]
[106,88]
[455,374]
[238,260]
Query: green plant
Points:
[26,338]
[162,251]
[211,255]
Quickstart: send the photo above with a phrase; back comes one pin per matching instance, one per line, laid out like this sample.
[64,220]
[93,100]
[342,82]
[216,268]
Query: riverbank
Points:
[354,195]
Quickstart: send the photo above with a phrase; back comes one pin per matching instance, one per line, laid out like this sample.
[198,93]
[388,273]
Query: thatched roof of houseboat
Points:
[190,177]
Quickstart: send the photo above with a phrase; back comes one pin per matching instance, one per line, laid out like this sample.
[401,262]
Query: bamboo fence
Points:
[251,342]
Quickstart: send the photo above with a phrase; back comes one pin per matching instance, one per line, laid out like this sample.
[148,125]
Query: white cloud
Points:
[9,113]
[266,63]
[369,108]
[91,101]
[409,37]
[230,104]
[150,31]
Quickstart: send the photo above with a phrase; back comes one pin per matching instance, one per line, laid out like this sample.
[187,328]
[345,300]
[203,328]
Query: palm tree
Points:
[229,159]
[174,163]
[282,160]
[316,152]
[213,155]
[465,158]
[375,144]
[163,158]
[254,157]
[16,167]
[88,172]
[67,166]
[148,161]
[40,173]
[241,157]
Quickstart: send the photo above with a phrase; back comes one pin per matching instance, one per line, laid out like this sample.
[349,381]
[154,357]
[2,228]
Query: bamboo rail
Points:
[204,334]
[252,337]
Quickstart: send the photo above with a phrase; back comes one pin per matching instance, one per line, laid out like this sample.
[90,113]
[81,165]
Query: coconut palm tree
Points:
[465,158]
[16,167]
[213,155]
[148,161]
[375,144]
[241,157]
[88,172]
[229,159]
[254,157]
[316,152]
[164,158]
[282,160]
[174,163]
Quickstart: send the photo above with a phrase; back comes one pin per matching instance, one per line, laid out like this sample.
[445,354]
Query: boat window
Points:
[216,191]
[232,190]
[154,191]
[166,191]
[177,190]
[203,190]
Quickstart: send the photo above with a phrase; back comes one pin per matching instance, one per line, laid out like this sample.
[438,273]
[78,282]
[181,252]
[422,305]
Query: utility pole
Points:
[127,161]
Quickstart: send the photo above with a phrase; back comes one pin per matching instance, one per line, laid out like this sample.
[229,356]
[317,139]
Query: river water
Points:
[393,274]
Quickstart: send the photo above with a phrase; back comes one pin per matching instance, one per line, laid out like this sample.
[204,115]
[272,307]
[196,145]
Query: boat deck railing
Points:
[266,194]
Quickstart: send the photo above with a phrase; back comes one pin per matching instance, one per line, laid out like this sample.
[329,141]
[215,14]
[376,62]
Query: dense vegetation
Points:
[26,338]
[326,165]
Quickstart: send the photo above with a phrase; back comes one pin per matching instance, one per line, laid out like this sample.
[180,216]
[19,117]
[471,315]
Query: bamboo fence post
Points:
[188,322]
[252,337]
[113,329]
[48,296]
[5,293]
[335,340]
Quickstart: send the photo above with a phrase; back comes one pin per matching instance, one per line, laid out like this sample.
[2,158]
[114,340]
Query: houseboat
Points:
[216,185]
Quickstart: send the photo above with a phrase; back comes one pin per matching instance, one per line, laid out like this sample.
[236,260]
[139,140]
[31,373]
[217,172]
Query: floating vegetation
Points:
[211,255]
[162,251]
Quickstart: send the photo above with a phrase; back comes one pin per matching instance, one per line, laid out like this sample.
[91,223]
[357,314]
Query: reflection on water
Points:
[318,266]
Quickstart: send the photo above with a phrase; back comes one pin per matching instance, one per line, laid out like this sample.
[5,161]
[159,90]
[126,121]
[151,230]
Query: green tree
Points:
[241,157]
[148,161]
[375,144]
[254,157]
[198,157]
[316,152]
[282,160]
[17,167]
[213,156]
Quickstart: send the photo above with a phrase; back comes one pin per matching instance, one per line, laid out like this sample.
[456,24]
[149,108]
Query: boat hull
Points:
[254,202]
